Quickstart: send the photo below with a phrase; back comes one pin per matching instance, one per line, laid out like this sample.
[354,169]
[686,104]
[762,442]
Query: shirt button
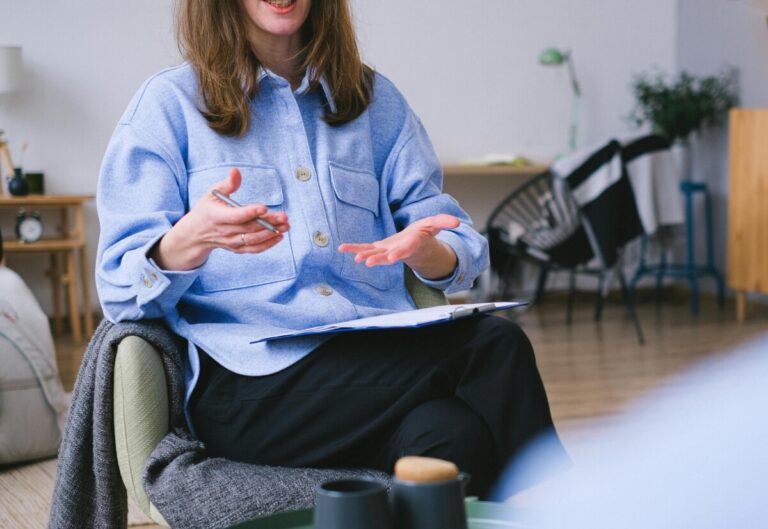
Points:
[303,174]
[324,290]
[320,238]
[149,277]
[460,278]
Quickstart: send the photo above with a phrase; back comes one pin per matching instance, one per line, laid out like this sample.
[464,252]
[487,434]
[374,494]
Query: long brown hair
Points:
[213,36]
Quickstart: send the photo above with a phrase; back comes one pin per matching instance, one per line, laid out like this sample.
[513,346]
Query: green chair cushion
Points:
[423,296]
[140,414]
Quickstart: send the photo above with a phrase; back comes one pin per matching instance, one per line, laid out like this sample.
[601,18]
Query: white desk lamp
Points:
[10,81]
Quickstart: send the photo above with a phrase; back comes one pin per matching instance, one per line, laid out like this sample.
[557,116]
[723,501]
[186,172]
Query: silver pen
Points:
[225,198]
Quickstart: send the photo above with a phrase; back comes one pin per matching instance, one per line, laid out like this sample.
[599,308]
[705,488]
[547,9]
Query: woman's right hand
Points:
[213,224]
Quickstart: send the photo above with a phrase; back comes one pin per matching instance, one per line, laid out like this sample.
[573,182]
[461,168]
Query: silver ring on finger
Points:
[242,238]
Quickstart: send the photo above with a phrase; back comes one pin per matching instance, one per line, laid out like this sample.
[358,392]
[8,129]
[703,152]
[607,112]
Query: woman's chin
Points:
[282,27]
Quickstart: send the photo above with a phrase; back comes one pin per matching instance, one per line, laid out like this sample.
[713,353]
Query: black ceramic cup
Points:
[430,505]
[36,183]
[352,504]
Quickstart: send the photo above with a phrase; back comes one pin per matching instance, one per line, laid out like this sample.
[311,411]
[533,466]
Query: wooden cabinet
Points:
[69,243]
[748,205]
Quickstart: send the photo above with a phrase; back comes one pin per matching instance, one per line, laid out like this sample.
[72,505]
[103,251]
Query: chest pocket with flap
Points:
[358,220]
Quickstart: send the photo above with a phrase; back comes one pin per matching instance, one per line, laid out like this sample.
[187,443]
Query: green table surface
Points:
[480,515]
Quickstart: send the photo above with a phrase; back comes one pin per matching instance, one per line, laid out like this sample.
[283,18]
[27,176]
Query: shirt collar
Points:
[303,86]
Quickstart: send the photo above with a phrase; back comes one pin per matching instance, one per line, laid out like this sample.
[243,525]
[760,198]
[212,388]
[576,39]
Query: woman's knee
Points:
[502,342]
[449,429]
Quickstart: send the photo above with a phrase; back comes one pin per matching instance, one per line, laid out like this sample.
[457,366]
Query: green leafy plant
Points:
[678,107]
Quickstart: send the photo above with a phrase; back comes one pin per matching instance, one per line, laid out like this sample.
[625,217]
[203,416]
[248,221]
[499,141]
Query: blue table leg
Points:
[689,270]
[690,266]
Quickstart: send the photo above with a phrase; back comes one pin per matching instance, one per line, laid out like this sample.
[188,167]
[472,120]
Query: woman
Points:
[275,108]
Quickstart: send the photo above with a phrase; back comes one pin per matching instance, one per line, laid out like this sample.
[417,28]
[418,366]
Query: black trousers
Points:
[467,391]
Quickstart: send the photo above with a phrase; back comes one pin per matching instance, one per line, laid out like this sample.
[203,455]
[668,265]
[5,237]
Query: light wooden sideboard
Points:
[747,205]
[68,242]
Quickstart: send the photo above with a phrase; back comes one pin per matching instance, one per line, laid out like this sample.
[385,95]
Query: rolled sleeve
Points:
[163,288]
[466,266]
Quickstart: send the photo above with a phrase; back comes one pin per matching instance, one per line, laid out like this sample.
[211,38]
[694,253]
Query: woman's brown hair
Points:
[213,36]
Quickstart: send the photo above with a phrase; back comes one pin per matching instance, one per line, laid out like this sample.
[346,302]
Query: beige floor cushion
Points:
[32,401]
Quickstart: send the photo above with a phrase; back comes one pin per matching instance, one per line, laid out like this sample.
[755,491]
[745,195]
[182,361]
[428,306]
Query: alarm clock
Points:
[29,226]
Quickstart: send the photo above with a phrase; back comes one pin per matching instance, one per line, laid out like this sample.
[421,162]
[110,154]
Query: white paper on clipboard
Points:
[405,319]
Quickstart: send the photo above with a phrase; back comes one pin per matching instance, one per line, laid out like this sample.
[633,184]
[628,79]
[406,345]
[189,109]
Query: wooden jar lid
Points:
[424,469]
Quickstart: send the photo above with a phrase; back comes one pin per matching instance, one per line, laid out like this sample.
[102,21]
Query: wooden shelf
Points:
[493,170]
[44,200]
[43,245]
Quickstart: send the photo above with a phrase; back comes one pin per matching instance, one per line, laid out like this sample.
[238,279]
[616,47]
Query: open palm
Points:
[406,245]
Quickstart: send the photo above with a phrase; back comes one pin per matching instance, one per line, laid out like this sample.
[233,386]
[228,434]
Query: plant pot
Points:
[681,152]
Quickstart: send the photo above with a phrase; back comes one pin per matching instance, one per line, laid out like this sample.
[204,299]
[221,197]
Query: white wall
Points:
[711,35]
[470,68]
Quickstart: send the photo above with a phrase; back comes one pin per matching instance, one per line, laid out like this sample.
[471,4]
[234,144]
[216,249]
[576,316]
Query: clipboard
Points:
[405,319]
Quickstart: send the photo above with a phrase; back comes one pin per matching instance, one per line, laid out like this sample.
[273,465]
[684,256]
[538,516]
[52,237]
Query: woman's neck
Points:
[280,55]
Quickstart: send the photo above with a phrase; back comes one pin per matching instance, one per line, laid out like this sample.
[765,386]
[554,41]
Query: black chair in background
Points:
[538,221]
[578,223]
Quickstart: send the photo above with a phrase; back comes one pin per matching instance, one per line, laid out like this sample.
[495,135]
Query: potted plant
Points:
[681,106]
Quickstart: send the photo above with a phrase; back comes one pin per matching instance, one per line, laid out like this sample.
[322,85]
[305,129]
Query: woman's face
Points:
[274,18]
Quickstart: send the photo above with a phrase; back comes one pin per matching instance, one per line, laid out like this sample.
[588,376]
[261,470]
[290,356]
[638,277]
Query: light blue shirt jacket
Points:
[359,182]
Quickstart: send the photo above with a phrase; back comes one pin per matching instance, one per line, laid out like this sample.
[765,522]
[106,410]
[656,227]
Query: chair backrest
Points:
[601,189]
[140,413]
[423,296]
[643,146]
[655,178]
[540,219]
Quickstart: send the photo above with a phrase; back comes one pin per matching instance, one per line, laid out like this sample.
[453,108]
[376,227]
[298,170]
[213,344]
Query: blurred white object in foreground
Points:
[694,454]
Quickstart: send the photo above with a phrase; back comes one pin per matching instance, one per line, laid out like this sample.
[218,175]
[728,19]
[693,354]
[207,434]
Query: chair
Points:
[568,223]
[141,414]
[540,221]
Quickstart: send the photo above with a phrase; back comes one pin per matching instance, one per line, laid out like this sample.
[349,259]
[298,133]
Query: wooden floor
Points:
[591,370]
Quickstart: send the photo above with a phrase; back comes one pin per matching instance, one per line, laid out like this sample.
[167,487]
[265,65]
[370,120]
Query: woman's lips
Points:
[281,6]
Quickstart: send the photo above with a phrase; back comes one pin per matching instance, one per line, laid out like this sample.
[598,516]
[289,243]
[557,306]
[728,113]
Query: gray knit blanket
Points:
[190,489]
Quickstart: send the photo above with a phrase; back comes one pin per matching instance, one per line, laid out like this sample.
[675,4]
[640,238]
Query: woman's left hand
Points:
[416,246]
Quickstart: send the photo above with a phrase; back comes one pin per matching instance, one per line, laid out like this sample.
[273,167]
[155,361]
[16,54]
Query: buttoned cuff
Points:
[163,287]
[459,280]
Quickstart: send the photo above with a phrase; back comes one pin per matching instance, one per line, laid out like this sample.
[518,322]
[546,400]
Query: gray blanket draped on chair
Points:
[190,489]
